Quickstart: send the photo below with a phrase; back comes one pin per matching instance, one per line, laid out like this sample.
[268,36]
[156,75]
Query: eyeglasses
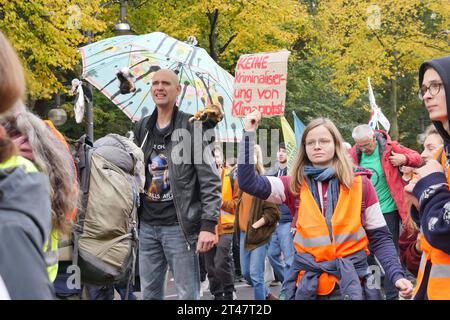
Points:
[322,143]
[433,88]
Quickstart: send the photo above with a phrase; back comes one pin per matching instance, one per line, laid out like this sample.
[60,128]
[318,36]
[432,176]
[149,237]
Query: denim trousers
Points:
[107,292]
[252,267]
[282,242]
[163,246]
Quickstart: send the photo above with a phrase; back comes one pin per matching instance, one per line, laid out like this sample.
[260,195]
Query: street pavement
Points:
[243,291]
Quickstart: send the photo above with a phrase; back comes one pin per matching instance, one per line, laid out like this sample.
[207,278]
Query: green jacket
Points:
[255,238]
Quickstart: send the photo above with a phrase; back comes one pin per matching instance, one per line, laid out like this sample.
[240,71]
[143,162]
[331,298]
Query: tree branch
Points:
[224,47]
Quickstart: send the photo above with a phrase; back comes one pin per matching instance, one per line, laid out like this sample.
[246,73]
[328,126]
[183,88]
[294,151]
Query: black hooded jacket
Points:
[442,66]
[432,190]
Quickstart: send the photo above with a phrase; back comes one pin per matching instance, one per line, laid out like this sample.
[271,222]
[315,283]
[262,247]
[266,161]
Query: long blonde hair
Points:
[50,157]
[341,161]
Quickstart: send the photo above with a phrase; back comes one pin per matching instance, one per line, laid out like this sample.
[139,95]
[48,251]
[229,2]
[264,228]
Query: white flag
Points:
[377,116]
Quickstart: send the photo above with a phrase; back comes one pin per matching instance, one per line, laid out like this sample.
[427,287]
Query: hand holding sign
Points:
[252,121]
[260,84]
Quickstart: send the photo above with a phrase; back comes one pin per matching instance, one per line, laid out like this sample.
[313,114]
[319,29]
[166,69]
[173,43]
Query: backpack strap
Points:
[142,126]
[145,139]
[84,154]
[232,175]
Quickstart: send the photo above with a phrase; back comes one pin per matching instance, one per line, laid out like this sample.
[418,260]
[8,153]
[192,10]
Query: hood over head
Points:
[442,67]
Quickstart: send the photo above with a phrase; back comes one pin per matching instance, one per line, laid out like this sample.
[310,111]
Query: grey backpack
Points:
[111,175]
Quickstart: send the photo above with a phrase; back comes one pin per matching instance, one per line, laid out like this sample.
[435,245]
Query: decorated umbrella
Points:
[203,81]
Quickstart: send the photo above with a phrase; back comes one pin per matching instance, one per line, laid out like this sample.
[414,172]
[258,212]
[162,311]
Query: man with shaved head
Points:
[180,207]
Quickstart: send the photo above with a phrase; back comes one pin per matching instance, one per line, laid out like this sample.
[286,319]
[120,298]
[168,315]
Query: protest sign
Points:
[260,83]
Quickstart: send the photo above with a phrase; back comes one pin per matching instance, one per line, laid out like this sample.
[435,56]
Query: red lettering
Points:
[241,63]
[264,62]
[237,105]
[268,94]
[248,64]
[252,62]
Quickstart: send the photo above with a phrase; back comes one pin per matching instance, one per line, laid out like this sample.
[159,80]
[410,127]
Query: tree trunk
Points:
[394,122]
[213,46]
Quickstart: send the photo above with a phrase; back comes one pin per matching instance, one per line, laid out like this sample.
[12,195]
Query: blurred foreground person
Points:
[25,216]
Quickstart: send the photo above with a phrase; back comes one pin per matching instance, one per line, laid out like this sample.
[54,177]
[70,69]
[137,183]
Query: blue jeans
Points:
[107,292]
[252,267]
[160,246]
[282,241]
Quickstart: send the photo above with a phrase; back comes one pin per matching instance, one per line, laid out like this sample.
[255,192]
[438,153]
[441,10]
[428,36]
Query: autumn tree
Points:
[226,28]
[385,40]
[46,34]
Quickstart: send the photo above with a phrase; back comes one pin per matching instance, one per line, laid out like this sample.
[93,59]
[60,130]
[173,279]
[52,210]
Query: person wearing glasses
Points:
[430,187]
[374,150]
[338,215]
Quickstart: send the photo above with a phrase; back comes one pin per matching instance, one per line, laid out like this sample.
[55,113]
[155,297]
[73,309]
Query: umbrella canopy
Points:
[202,80]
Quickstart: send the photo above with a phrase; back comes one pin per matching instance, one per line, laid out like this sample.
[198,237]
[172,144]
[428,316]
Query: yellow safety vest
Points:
[51,255]
[19,161]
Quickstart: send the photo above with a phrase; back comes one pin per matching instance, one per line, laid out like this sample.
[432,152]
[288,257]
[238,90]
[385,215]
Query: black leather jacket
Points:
[196,185]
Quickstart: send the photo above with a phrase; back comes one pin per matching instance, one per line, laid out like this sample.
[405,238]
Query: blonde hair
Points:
[12,80]
[431,129]
[341,161]
[259,160]
[410,224]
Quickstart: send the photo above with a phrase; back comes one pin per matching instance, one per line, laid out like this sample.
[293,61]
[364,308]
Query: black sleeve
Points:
[137,133]
[22,265]
[434,198]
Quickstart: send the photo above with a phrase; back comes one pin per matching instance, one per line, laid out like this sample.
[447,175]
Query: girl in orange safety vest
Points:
[338,215]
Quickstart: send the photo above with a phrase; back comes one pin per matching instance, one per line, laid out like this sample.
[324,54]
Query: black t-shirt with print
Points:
[158,206]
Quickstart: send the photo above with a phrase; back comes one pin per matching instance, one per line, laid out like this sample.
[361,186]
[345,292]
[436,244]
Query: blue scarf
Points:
[324,174]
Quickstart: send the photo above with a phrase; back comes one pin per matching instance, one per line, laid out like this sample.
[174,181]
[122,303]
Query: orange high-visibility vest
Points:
[348,234]
[227,194]
[56,133]
[438,286]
